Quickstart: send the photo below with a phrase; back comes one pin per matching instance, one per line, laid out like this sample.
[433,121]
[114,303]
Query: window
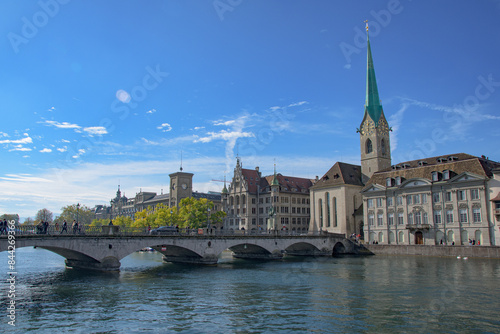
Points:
[379,202]
[370,203]
[382,146]
[416,199]
[328,210]
[474,194]
[380,219]
[371,220]
[437,217]
[446,175]
[410,218]
[390,201]
[390,219]
[425,218]
[320,212]
[436,197]
[435,176]
[463,215]
[447,196]
[253,200]
[388,182]
[293,209]
[294,200]
[461,195]
[254,221]
[399,200]
[409,199]
[400,218]
[369,146]
[476,215]
[424,198]
[253,211]
[418,218]
[449,216]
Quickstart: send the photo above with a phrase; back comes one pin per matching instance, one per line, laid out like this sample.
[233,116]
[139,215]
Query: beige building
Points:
[181,186]
[444,199]
[253,202]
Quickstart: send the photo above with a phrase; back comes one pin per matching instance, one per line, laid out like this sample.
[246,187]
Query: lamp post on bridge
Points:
[77,211]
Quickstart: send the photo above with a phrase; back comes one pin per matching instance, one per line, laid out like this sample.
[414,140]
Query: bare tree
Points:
[44,215]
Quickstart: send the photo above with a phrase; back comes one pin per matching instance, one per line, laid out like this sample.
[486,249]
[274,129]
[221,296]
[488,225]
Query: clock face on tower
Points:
[384,128]
[184,186]
[368,127]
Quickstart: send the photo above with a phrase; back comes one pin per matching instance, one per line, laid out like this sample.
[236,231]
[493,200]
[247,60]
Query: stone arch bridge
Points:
[105,252]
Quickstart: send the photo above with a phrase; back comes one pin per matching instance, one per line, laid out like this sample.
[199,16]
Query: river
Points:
[376,294]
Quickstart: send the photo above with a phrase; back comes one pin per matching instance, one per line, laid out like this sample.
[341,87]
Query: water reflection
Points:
[346,294]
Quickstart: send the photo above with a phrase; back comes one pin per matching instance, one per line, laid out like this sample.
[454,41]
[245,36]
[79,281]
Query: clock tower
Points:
[181,186]
[374,129]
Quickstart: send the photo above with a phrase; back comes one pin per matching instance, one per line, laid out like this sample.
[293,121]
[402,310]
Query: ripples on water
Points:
[316,295]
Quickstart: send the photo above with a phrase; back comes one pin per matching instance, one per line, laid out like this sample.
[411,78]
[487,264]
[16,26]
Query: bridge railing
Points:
[115,230]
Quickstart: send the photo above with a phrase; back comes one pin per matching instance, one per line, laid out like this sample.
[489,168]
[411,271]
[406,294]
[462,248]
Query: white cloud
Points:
[96,130]
[296,104]
[165,127]
[62,149]
[395,122]
[21,149]
[51,109]
[152,111]
[226,123]
[65,141]
[224,135]
[63,125]
[25,140]
[46,150]
[3,134]
[199,127]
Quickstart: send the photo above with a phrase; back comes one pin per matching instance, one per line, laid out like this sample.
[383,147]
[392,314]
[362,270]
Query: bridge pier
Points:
[109,263]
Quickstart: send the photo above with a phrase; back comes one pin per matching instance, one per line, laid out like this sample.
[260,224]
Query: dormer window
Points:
[405,166]
[422,163]
[436,176]
[452,158]
[398,180]
[441,160]
[446,175]
[389,182]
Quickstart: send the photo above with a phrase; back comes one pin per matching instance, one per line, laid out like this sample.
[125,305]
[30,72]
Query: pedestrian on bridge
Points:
[75,226]
[64,227]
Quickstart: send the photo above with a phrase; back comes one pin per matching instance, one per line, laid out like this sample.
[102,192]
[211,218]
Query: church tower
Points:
[374,130]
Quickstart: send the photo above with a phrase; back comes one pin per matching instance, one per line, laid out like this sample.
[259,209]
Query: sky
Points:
[96,94]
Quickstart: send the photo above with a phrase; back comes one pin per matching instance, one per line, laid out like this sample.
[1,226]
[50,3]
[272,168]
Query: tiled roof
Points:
[423,168]
[290,183]
[340,174]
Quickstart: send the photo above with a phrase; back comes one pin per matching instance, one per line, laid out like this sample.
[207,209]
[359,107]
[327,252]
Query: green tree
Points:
[9,217]
[194,212]
[69,213]
[29,221]
[99,222]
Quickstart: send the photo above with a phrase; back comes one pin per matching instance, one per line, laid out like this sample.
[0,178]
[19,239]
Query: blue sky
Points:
[95,94]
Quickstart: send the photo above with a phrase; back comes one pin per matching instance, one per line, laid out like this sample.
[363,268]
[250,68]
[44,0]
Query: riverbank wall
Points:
[438,250]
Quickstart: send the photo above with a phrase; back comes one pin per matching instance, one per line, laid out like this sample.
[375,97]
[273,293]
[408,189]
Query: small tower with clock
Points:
[374,130]
[181,186]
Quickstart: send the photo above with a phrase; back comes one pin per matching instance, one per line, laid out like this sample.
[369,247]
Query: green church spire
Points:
[372,103]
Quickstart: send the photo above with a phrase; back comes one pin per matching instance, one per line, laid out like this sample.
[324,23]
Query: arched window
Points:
[369,146]
[320,212]
[382,146]
[328,210]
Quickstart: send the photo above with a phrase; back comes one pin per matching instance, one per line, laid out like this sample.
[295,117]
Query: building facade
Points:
[181,186]
[273,202]
[438,200]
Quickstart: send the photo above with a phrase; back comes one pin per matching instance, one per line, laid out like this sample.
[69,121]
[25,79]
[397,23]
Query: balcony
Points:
[418,226]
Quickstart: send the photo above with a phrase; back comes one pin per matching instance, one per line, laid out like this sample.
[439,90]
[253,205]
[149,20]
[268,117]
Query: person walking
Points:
[64,227]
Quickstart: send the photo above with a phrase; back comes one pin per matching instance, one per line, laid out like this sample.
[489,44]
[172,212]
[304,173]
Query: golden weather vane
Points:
[366,21]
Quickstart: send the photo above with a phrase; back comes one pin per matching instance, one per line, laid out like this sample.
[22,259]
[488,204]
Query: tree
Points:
[9,217]
[69,213]
[194,212]
[29,221]
[44,215]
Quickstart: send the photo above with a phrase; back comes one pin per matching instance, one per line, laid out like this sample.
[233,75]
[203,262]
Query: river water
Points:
[377,294]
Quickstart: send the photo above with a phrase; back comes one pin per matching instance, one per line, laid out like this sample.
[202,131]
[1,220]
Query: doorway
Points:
[419,238]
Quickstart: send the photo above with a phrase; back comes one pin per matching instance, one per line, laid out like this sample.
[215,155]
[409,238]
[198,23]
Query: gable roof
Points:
[340,174]
[458,163]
